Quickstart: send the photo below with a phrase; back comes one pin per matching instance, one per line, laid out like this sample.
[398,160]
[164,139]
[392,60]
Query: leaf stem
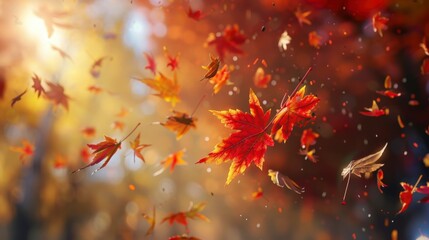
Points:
[347,186]
[198,105]
[123,139]
[415,185]
[297,86]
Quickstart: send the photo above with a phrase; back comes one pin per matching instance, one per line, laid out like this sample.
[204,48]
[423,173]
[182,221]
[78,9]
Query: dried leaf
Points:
[56,94]
[17,98]
[309,154]
[180,123]
[137,148]
[60,161]
[406,196]
[94,89]
[212,68]
[424,46]
[37,85]
[389,93]
[282,181]
[168,89]
[248,144]
[173,62]
[388,82]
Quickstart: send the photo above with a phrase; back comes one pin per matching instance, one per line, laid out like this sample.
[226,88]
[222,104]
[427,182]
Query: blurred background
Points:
[61,41]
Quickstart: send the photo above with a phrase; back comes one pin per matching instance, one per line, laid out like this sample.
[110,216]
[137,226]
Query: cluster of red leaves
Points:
[249,144]
[229,41]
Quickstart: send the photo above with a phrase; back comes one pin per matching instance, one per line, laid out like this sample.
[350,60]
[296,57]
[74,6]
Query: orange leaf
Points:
[60,161]
[88,132]
[37,85]
[182,237]
[308,138]
[85,154]
[56,95]
[302,17]
[174,159]
[167,89]
[180,123]
[181,217]
[261,79]
[137,148]
[123,113]
[151,221]
[380,184]
[118,125]
[314,39]
[26,150]
[94,89]
[104,150]
[388,82]
[212,68]
[18,98]
[229,41]
[296,109]
[248,144]
[379,23]
[257,194]
[220,79]
[374,111]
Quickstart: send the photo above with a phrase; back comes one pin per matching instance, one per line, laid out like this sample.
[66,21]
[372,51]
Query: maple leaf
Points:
[181,217]
[37,85]
[180,123]
[56,94]
[197,15]
[261,79]
[151,221]
[151,65]
[51,18]
[308,138]
[380,184]
[379,23]
[174,160]
[424,190]
[284,40]
[302,17]
[183,237]
[88,132]
[26,150]
[173,62]
[63,54]
[406,196]
[212,68]
[248,144]
[17,98]
[96,66]
[229,41]
[137,148]
[297,109]
[361,166]
[314,39]
[104,150]
[257,194]
[220,79]
[282,181]
[374,111]
[168,89]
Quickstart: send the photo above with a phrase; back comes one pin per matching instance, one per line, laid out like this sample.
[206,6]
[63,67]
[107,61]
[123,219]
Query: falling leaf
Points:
[314,39]
[63,54]
[400,122]
[309,155]
[104,150]
[388,82]
[151,221]
[284,41]
[302,17]
[168,89]
[258,194]
[52,19]
[118,125]
[374,111]
[180,123]
[17,98]
[88,132]
[229,41]
[60,161]
[122,113]
[424,46]
[425,66]
[181,217]
[173,160]
[424,190]
[94,89]
[197,15]
[85,155]
[183,237]
[308,138]
[137,148]
[37,85]
[297,109]
[220,79]
[96,66]
[26,150]
[389,93]
[406,196]
[380,184]
[151,65]
[248,144]
[282,181]
[379,23]
[56,94]
[362,166]
[261,79]
[212,68]
[173,62]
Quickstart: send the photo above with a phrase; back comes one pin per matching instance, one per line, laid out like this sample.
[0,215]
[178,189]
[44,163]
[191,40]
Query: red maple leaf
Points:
[406,196]
[424,190]
[151,65]
[37,85]
[137,147]
[248,144]
[56,95]
[229,41]
[297,109]
[182,217]
[26,150]
[197,15]
[173,62]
